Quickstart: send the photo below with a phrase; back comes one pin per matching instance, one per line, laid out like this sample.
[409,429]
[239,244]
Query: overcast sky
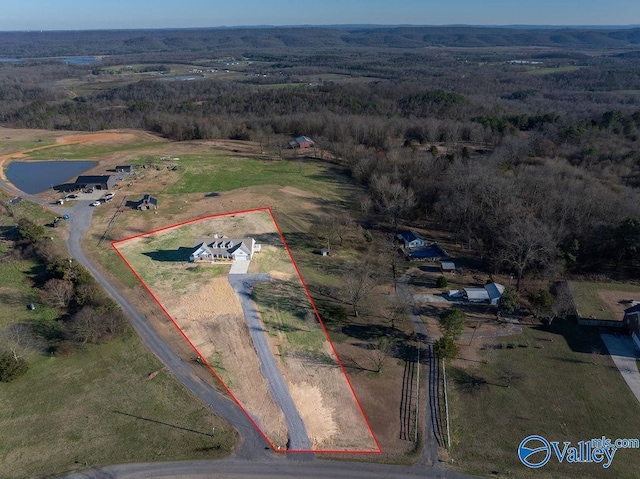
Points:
[102,14]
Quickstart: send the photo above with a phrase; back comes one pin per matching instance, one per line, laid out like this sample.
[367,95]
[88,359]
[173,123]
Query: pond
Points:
[34,177]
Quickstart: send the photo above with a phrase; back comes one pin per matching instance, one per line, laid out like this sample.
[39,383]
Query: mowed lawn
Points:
[590,304]
[557,383]
[97,408]
[219,172]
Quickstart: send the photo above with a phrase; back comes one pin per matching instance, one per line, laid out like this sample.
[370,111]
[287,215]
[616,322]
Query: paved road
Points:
[242,285]
[238,469]
[624,353]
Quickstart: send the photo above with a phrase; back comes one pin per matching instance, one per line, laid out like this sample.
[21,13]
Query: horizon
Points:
[88,15]
[345,26]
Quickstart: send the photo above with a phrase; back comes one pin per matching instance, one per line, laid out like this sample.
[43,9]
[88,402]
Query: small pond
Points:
[34,177]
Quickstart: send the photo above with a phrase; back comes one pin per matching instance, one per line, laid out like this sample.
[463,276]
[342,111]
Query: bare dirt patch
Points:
[618,301]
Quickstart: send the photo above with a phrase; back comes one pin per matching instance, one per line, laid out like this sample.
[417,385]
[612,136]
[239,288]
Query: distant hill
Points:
[292,39]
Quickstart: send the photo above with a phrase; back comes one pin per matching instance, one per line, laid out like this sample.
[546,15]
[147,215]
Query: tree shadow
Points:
[580,339]
[186,429]
[179,255]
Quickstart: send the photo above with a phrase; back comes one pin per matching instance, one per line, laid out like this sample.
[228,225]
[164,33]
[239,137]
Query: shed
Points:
[491,294]
[494,290]
[302,142]
[324,252]
[448,267]
[147,202]
[98,182]
[124,169]
[476,295]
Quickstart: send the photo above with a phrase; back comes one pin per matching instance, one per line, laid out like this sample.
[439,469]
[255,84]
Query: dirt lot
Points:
[203,304]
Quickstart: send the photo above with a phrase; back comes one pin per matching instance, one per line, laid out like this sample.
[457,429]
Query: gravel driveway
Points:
[242,285]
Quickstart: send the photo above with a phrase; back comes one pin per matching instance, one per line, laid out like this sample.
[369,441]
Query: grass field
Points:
[93,407]
[96,408]
[589,298]
[80,152]
[557,383]
[219,172]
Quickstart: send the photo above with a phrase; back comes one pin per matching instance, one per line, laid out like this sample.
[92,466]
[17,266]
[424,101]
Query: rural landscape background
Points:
[516,150]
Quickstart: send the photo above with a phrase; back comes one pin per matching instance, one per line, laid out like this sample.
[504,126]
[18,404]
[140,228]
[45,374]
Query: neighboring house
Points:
[491,294]
[98,182]
[448,267]
[224,249]
[433,252]
[147,202]
[302,142]
[124,169]
[632,320]
[411,239]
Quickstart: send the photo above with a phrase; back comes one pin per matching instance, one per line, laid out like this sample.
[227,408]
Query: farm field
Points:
[204,306]
[603,300]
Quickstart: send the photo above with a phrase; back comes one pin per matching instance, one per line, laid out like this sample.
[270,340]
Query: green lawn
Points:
[588,303]
[96,408]
[216,172]
[557,383]
[79,152]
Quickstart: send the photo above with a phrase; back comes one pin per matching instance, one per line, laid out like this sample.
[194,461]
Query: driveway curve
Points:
[242,285]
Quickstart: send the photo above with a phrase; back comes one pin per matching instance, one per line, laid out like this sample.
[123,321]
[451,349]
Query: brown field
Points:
[192,294]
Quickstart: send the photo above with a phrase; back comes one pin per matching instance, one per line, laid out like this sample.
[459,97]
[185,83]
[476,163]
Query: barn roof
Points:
[477,294]
[89,179]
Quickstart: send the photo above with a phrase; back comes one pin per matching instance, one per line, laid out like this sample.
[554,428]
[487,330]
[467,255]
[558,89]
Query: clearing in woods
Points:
[204,307]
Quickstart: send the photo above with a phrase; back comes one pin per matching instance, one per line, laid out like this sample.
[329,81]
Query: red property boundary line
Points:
[204,360]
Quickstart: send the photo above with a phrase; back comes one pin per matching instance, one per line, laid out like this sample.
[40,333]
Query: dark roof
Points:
[431,251]
[409,236]
[124,167]
[302,139]
[633,309]
[89,179]
[149,199]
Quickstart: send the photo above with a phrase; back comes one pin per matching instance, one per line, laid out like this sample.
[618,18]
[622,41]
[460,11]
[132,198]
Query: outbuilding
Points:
[147,202]
[97,182]
[302,142]
[124,169]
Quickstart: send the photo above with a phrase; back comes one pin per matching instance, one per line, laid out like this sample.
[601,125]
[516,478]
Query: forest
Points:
[523,143]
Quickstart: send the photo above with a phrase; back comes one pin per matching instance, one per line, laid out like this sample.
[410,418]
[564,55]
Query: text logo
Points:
[534,451]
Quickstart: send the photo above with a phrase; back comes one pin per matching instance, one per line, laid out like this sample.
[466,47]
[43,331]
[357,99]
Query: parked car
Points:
[96,203]
[71,197]
[109,196]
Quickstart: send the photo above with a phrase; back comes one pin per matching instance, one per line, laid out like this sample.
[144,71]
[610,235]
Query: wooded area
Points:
[523,143]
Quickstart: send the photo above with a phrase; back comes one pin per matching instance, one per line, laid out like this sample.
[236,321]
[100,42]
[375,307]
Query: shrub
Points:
[11,366]
[446,348]
[452,321]
[442,282]
[509,300]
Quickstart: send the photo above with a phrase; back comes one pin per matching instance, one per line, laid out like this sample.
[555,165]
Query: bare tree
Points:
[57,292]
[382,350]
[19,339]
[525,244]
[358,284]
[391,197]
